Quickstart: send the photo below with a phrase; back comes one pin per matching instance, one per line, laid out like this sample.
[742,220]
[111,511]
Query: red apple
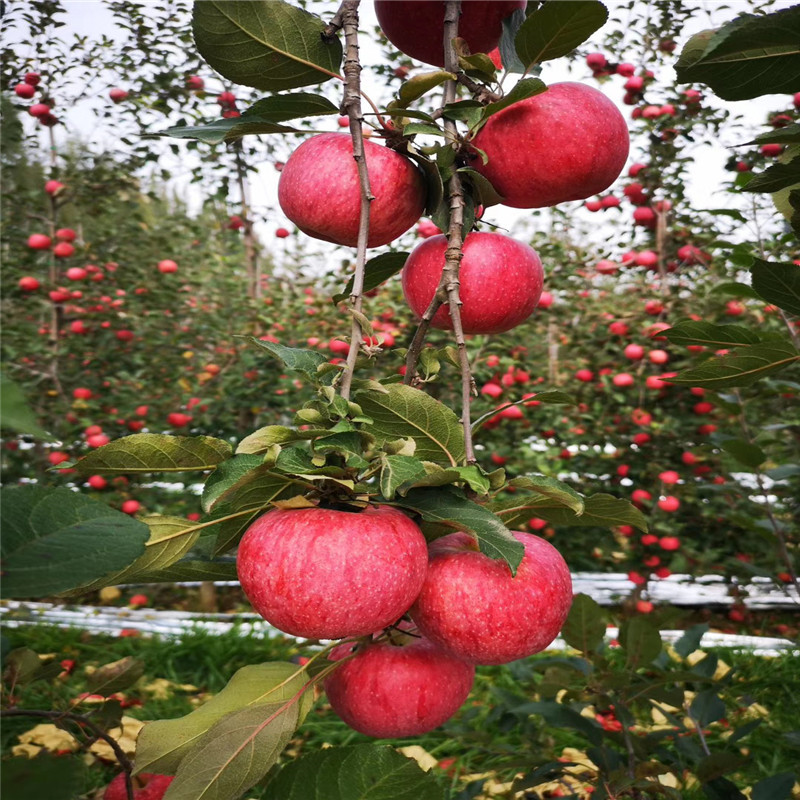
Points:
[82,393]
[53,187]
[319,191]
[634,352]
[131,506]
[167,266]
[146,786]
[76,273]
[63,250]
[386,690]
[472,606]
[24,90]
[97,482]
[195,82]
[623,379]
[118,95]
[545,300]
[569,143]
[39,241]
[416,27]
[501,281]
[325,574]
[282,233]
[39,110]
[178,420]
[669,504]
[28,284]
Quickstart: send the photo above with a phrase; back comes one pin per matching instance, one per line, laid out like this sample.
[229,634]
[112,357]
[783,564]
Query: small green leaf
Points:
[776,177]
[267,44]
[747,57]
[449,507]
[296,358]
[790,134]
[397,471]
[407,413]
[155,452]
[553,488]
[707,707]
[527,87]
[585,626]
[423,129]
[747,453]
[508,51]
[55,540]
[227,130]
[163,745]
[377,270]
[776,787]
[16,414]
[718,764]
[742,368]
[419,85]
[691,639]
[640,639]
[357,772]
[116,676]
[689,332]
[778,284]
[192,571]
[21,666]
[558,715]
[556,29]
[225,476]
[262,440]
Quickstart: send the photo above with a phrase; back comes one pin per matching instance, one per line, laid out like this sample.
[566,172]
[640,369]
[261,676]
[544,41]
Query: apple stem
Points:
[347,15]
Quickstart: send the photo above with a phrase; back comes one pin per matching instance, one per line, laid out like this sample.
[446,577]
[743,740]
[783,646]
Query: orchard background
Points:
[664,353]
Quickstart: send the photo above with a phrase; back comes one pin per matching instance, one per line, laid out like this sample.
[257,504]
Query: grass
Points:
[481,738]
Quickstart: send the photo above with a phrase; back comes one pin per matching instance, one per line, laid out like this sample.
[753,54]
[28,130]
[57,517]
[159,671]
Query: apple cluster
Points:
[326,573]
[536,153]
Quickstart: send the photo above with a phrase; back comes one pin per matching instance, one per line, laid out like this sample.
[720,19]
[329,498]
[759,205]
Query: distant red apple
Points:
[97,482]
[147,785]
[555,157]
[33,78]
[176,419]
[167,266]
[386,690]
[24,90]
[426,229]
[545,300]
[118,95]
[623,379]
[319,191]
[501,281]
[669,543]
[282,233]
[324,573]
[28,284]
[472,606]
[195,82]
[416,27]
[669,504]
[63,250]
[39,110]
[124,335]
[76,273]
[82,393]
[39,241]
[53,187]
[634,352]
[131,506]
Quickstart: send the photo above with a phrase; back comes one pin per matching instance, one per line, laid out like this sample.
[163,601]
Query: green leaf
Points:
[267,44]
[688,332]
[718,764]
[560,716]
[598,510]
[423,129]
[778,176]
[21,666]
[747,453]
[376,271]
[155,452]
[296,358]
[55,540]
[192,571]
[585,626]
[46,777]
[778,284]
[776,787]
[397,471]
[163,744]
[468,111]
[407,413]
[707,707]
[116,676]
[483,191]
[15,413]
[553,488]
[419,85]
[690,641]
[508,51]
[736,289]
[227,130]
[170,539]
[640,639]
[357,772]
[283,107]
[742,368]
[748,57]
[449,507]
[226,475]
[261,440]
[790,134]
[556,29]
[527,87]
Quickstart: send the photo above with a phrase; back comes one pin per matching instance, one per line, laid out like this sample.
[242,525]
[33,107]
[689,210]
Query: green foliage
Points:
[55,540]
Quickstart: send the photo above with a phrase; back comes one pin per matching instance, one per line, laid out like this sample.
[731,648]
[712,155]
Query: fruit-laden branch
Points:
[83,722]
[447,290]
[352,107]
